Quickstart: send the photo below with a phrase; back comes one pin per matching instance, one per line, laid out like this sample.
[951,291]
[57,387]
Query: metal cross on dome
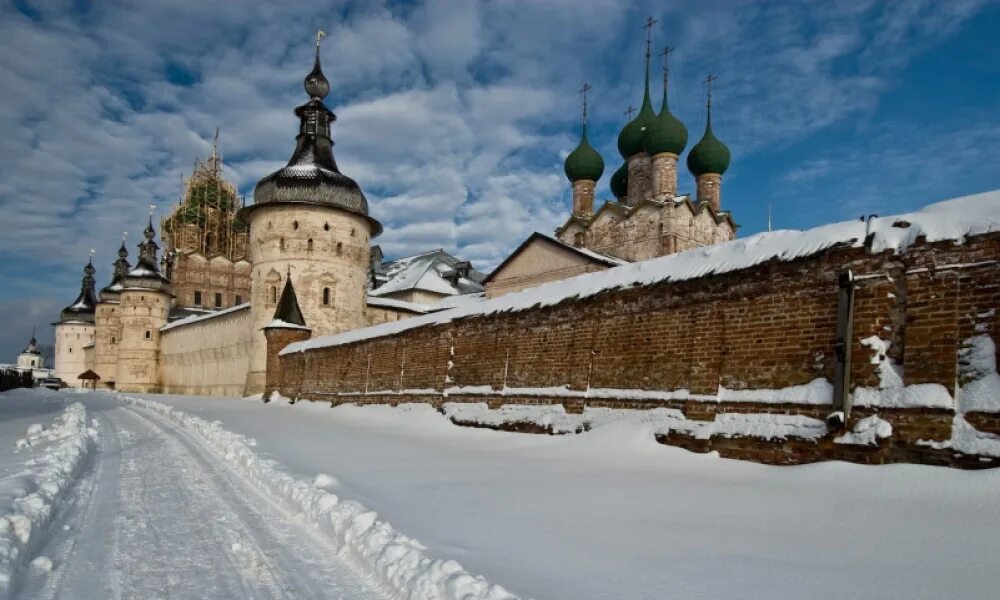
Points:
[628,112]
[583,91]
[650,21]
[320,34]
[708,85]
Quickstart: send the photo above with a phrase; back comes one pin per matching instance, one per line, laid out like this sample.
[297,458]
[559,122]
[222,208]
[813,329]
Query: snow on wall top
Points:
[953,219]
[198,318]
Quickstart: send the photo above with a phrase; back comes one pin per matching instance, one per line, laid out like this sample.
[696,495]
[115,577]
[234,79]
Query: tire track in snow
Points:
[262,542]
[160,516]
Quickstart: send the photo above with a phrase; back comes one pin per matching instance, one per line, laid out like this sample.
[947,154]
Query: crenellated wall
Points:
[207,356]
[755,341]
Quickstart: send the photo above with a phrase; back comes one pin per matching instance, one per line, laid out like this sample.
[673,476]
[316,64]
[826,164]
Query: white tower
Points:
[74,330]
[145,301]
[30,358]
[309,222]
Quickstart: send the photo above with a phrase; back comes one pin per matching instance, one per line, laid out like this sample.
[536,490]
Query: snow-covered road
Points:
[157,515]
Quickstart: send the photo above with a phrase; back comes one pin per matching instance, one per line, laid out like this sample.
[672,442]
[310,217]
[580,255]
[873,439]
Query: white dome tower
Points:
[309,222]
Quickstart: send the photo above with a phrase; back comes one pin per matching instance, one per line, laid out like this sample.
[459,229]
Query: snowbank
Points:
[661,420]
[949,220]
[28,501]
[978,361]
[866,432]
[398,561]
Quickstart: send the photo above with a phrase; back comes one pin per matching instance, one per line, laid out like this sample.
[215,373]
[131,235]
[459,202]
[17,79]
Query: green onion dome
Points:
[631,140]
[665,132]
[619,181]
[584,163]
[709,155]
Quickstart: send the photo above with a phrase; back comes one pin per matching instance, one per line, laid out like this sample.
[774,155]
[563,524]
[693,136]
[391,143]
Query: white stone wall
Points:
[70,359]
[143,312]
[108,333]
[30,361]
[326,248]
[209,357]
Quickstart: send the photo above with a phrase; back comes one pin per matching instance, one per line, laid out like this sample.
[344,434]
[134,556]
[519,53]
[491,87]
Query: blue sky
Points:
[455,115]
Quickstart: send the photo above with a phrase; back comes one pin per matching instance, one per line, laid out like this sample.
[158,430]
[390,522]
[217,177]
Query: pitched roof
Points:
[288,310]
[590,255]
[433,271]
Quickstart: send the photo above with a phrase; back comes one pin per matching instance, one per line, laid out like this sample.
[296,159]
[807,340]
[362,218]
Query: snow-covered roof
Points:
[397,304]
[205,317]
[279,324]
[949,220]
[433,271]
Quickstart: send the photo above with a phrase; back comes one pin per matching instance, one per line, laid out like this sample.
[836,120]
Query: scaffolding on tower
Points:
[204,220]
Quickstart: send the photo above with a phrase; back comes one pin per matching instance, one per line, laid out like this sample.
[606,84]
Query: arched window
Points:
[114,340]
[149,334]
[309,244]
[578,239]
[274,294]
[354,232]
[281,244]
[326,296]
[326,227]
[295,224]
[340,248]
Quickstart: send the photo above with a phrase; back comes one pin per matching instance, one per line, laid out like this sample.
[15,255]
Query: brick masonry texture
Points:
[767,327]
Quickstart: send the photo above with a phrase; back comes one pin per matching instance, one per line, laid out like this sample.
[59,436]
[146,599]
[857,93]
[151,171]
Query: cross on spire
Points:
[667,51]
[708,86]
[650,21]
[628,112]
[583,91]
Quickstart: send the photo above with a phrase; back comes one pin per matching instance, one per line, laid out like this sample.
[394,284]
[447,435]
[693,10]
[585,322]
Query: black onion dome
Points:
[146,272]
[82,309]
[122,266]
[317,86]
[311,175]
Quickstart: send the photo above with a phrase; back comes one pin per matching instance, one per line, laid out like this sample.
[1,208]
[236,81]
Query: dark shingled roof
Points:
[311,175]
[288,306]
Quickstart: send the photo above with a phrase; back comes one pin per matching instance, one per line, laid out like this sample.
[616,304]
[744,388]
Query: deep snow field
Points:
[613,514]
[606,514]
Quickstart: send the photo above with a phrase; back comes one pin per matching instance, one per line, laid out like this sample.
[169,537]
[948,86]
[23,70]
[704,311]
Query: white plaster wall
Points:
[210,357]
[138,355]
[70,359]
[338,258]
[108,333]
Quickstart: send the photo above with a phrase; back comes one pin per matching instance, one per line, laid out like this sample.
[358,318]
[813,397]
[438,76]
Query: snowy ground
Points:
[612,514]
[608,514]
[156,515]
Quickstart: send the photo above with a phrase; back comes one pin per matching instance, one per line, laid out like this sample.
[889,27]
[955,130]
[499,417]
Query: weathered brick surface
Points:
[767,327]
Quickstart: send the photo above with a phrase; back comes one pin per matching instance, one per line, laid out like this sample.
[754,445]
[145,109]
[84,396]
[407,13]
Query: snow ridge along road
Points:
[39,490]
[399,562]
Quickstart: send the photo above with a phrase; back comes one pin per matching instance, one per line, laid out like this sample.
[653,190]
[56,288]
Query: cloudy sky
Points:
[455,115]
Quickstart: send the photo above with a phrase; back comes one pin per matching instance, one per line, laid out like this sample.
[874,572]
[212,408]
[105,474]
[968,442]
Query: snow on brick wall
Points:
[755,339]
[770,327]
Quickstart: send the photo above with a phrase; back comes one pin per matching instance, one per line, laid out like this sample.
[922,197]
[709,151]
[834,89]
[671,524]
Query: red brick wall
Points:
[770,326]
